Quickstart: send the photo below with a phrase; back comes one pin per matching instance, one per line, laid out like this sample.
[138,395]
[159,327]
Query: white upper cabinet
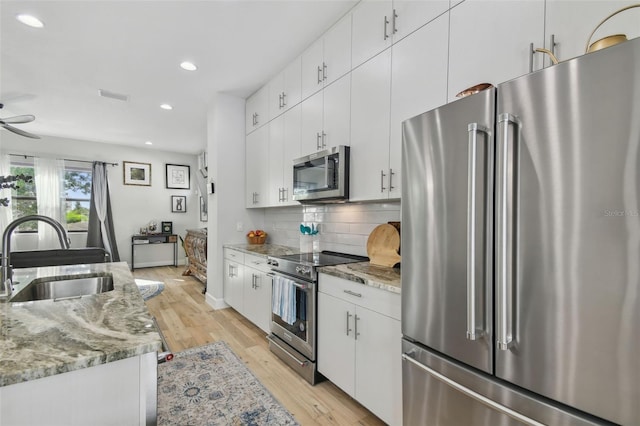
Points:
[336,114]
[490,41]
[411,15]
[285,90]
[419,84]
[311,124]
[328,59]
[325,118]
[373,22]
[312,59]
[337,51]
[370,112]
[284,147]
[257,110]
[256,168]
[570,33]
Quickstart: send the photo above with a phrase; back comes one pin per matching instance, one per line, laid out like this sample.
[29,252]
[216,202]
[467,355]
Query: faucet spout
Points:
[5,272]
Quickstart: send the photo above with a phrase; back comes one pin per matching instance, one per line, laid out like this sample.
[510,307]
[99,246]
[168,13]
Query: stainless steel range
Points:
[294,307]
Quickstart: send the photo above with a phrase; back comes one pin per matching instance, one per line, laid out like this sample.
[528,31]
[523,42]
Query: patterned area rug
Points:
[149,289]
[210,385]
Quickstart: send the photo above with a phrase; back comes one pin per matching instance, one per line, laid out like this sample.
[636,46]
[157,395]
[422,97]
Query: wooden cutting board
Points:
[383,245]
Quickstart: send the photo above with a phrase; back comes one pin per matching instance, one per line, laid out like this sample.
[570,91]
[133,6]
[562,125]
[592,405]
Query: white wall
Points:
[226,152]
[133,206]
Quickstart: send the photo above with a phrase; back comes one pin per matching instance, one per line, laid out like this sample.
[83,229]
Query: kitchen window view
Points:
[76,181]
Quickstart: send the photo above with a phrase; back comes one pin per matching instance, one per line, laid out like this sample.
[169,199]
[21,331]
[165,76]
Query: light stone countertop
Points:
[381,277]
[264,249]
[44,338]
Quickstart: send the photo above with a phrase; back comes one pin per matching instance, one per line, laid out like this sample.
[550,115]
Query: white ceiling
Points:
[135,48]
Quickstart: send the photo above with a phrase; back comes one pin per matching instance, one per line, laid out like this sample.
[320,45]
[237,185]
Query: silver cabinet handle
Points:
[553,44]
[352,293]
[356,333]
[318,146]
[382,175]
[257,115]
[284,99]
[391,187]
[280,101]
[471,393]
[319,75]
[285,194]
[393,22]
[323,139]
[506,170]
[279,194]
[324,71]
[474,331]
[348,316]
[386,24]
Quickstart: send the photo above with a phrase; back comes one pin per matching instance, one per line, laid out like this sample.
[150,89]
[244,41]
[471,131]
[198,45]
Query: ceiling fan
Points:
[18,119]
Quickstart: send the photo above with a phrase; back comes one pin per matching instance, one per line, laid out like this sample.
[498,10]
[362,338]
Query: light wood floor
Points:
[186,321]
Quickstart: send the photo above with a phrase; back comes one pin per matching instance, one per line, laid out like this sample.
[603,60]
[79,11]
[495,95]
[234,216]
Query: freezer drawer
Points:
[439,392]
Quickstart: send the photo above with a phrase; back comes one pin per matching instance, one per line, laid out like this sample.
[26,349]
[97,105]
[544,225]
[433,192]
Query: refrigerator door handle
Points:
[504,243]
[474,331]
[471,393]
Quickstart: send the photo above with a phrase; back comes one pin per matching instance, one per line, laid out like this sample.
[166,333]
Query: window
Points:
[77,192]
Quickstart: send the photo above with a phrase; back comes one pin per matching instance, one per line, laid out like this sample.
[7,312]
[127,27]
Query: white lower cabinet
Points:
[257,291]
[233,283]
[122,392]
[359,344]
[247,287]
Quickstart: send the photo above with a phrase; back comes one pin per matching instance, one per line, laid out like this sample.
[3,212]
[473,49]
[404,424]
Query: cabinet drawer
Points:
[257,262]
[375,299]
[235,255]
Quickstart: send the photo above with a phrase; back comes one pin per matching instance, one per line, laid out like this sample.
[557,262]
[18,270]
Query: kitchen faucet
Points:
[6,272]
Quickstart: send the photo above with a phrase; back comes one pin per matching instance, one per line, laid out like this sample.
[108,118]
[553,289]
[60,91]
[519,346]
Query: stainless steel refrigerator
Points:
[521,250]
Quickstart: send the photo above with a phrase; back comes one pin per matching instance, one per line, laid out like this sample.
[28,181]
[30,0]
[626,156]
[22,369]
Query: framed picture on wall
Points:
[178,204]
[178,176]
[136,173]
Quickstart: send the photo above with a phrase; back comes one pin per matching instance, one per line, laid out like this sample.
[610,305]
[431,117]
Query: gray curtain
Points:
[101,233]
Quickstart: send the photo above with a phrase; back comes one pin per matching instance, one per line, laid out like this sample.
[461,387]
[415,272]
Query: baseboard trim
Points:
[215,303]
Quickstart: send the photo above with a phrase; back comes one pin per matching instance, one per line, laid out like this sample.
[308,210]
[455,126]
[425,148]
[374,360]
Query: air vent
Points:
[113,95]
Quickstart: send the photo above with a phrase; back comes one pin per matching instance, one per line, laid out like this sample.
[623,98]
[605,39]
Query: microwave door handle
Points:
[326,171]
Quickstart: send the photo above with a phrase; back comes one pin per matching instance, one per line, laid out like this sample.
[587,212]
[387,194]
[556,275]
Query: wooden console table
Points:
[195,245]
[139,240]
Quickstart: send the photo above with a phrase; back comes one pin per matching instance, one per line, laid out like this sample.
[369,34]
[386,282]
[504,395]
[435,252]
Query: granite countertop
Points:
[44,338]
[382,277]
[264,249]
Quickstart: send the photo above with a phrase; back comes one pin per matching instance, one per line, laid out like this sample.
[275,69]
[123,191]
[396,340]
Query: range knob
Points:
[304,270]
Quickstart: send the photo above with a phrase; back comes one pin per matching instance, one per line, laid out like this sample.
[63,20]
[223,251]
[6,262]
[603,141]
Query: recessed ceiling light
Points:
[189,66]
[29,20]
[166,106]
[148,143]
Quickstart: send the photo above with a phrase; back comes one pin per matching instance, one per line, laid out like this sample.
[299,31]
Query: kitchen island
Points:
[87,360]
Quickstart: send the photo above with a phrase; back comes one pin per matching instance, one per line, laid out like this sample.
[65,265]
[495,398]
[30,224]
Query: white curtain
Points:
[6,215]
[100,192]
[49,178]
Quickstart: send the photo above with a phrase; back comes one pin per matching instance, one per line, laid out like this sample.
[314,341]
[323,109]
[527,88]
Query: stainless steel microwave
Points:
[323,176]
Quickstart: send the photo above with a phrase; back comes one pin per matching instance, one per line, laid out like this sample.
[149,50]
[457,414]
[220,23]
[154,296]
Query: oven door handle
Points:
[300,286]
[300,363]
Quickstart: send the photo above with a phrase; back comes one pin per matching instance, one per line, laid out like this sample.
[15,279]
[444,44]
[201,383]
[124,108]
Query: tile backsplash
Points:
[343,227]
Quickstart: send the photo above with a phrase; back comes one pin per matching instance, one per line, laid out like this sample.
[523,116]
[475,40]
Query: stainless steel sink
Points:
[64,288]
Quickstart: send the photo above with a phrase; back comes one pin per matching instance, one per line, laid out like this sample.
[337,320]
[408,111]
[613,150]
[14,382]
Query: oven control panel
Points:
[303,270]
